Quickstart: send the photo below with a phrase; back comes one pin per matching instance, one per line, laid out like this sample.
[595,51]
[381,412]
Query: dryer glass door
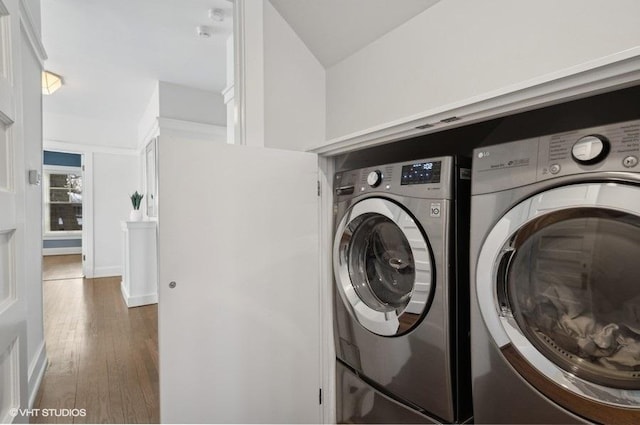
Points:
[382,265]
[572,287]
[557,280]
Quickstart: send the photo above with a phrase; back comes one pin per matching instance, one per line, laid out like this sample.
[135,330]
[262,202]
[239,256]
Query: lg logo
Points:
[483,154]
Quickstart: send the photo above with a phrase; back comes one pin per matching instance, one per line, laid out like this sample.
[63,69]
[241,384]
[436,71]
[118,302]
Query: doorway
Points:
[63,229]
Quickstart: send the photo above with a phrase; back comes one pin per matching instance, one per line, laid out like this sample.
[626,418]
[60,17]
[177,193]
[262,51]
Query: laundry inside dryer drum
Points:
[574,292]
[381,265]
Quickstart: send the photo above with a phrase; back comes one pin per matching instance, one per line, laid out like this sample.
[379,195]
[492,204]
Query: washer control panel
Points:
[420,178]
[612,147]
[421,173]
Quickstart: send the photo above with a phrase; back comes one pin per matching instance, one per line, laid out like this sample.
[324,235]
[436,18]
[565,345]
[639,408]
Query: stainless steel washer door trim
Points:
[385,323]
[503,328]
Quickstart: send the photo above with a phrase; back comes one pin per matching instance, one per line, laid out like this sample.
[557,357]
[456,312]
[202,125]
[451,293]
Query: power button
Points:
[554,168]
[630,161]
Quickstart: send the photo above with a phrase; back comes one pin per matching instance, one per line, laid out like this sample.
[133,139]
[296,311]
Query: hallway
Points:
[103,357]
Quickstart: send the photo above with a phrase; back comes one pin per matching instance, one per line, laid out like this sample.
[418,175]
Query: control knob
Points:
[590,149]
[374,178]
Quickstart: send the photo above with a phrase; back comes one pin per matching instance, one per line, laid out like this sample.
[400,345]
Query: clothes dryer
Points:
[401,292]
[555,260]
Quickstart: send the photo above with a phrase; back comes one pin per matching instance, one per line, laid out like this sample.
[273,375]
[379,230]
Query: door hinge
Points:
[319,395]
[84,258]
[83,167]
[318,187]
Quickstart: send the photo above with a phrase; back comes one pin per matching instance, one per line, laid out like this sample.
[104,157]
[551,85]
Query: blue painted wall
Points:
[62,243]
[62,158]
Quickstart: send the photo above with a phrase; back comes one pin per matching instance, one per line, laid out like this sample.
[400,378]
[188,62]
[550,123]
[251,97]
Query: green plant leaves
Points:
[136,200]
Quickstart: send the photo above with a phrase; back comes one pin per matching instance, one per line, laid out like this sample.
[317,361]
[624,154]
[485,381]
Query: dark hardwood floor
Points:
[103,356]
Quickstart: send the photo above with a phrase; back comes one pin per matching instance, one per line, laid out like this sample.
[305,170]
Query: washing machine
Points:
[400,259]
[555,260]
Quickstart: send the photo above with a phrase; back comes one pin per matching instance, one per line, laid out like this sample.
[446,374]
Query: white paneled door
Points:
[239,317]
[13,367]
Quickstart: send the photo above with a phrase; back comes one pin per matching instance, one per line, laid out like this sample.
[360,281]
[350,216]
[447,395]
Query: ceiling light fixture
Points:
[216,15]
[204,31]
[50,82]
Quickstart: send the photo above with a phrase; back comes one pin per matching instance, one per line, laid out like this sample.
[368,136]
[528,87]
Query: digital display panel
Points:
[421,173]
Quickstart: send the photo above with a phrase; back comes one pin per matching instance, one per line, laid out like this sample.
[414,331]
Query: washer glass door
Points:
[382,265]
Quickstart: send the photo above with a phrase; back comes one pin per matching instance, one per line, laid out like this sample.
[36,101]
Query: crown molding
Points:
[62,146]
[192,127]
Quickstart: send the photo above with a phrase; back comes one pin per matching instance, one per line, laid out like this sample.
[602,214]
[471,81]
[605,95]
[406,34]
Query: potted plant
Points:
[136,200]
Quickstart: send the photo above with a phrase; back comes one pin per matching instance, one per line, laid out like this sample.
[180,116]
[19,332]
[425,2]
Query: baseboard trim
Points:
[139,300]
[37,369]
[99,272]
[62,251]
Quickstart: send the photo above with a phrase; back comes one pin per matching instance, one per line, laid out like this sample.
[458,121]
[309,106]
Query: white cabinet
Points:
[140,278]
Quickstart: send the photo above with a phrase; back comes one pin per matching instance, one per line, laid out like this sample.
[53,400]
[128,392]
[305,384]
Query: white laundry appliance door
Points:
[239,327]
[557,285]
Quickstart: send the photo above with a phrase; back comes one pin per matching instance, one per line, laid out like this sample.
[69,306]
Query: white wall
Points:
[148,123]
[190,104]
[167,100]
[183,108]
[294,85]
[181,111]
[458,49]
[90,131]
[284,88]
[115,178]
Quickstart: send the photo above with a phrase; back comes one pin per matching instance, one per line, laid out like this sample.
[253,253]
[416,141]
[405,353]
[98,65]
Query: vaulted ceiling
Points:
[335,29]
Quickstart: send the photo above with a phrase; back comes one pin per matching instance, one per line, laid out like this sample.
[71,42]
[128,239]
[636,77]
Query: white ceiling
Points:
[335,29]
[111,52]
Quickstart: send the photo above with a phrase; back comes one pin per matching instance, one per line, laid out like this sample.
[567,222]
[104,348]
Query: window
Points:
[62,200]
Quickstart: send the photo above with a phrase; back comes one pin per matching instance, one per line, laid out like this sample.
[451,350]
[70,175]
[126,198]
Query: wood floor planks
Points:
[56,267]
[103,356]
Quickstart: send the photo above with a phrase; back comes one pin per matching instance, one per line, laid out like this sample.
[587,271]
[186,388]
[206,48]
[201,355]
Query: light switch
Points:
[34,177]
